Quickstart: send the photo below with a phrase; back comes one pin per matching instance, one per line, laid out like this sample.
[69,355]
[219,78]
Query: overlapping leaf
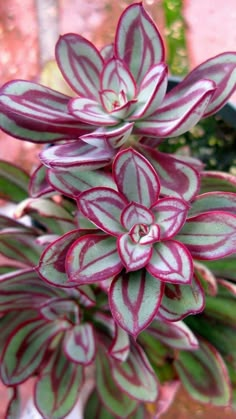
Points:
[134,300]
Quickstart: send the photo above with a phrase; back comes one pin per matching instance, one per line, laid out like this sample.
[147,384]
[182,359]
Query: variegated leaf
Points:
[61,308]
[93,258]
[151,93]
[91,112]
[58,387]
[116,77]
[217,181]
[20,244]
[220,69]
[75,181]
[136,179]
[116,401]
[171,262]
[36,113]
[133,255]
[138,42]
[135,213]
[179,301]
[213,201]
[134,300]
[178,179]
[39,185]
[120,347]
[51,265]
[76,154]
[170,215]
[103,206]
[23,289]
[115,136]
[25,349]
[210,235]
[204,375]
[80,63]
[13,182]
[176,335]
[79,344]
[178,114]
[136,376]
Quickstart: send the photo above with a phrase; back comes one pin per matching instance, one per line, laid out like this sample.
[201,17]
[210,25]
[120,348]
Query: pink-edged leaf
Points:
[179,301]
[136,179]
[115,400]
[151,92]
[75,181]
[20,245]
[136,214]
[36,113]
[58,386]
[171,262]
[192,161]
[13,182]
[178,114]
[134,300]
[170,215]
[213,201]
[61,308]
[23,289]
[103,206]
[116,77]
[51,265]
[136,376]
[211,235]
[120,347]
[204,375]
[80,63]
[176,335]
[217,181]
[133,255]
[76,154]
[138,42]
[93,258]
[178,179]
[220,69]
[79,344]
[39,185]
[115,136]
[91,112]
[25,349]
[207,278]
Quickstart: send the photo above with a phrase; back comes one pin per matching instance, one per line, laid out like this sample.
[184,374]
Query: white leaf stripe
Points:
[138,41]
[144,188]
[103,206]
[93,258]
[134,300]
[171,262]
[211,235]
[80,63]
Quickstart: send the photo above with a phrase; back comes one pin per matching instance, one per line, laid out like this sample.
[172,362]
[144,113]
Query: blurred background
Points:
[193,31]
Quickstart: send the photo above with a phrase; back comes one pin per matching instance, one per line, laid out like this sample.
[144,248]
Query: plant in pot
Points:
[120,284]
